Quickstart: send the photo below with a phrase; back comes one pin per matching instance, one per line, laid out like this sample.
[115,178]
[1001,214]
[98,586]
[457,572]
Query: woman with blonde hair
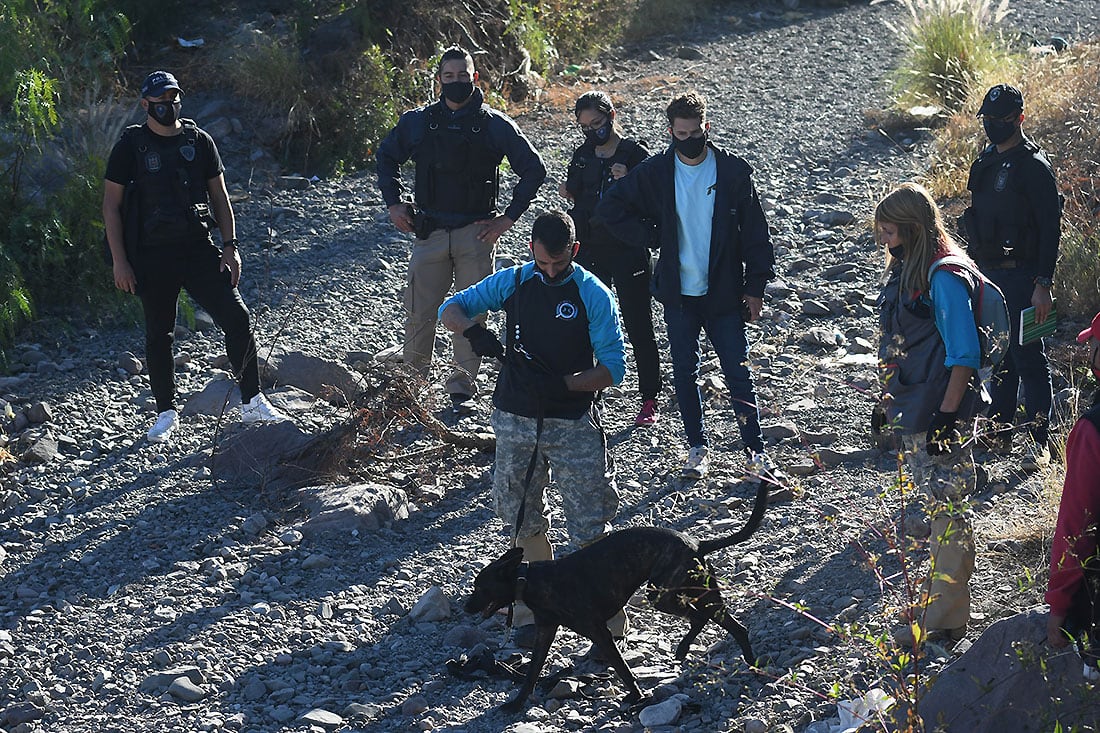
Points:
[929,355]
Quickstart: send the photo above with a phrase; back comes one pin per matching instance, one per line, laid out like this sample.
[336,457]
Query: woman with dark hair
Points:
[929,355]
[604,157]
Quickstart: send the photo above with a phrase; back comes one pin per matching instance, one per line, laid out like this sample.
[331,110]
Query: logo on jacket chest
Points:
[152,162]
[566,311]
[1002,177]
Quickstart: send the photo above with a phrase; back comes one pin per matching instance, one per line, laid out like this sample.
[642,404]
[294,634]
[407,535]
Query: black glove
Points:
[483,341]
[942,433]
[549,387]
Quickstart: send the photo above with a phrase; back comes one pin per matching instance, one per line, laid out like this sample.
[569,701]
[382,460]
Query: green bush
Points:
[949,45]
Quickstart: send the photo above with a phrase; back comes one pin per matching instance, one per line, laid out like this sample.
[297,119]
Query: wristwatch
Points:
[1045,282]
[234,243]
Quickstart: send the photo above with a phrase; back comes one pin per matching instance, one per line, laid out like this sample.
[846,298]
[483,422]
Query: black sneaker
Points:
[462,404]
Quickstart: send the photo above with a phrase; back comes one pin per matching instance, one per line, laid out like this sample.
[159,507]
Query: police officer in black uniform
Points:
[168,173]
[457,144]
[1012,228]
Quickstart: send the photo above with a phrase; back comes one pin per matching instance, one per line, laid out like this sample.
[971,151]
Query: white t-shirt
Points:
[694,214]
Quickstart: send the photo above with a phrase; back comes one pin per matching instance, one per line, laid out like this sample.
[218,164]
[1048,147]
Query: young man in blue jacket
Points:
[715,259]
[457,144]
[564,344]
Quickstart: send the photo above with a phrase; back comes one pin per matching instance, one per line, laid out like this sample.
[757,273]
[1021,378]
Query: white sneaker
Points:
[697,463]
[760,465]
[258,409]
[162,429]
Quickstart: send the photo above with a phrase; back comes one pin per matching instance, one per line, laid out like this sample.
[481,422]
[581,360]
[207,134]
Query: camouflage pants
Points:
[572,454]
[946,481]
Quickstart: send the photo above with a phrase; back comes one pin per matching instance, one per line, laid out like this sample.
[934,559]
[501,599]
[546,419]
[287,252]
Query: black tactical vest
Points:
[1001,212]
[456,166]
[588,177]
[549,322]
[171,193]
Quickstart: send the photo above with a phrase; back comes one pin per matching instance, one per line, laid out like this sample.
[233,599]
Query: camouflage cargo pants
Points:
[572,454]
[946,480]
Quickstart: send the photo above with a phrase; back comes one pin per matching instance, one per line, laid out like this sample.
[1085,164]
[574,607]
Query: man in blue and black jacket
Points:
[715,259]
[563,345]
[457,144]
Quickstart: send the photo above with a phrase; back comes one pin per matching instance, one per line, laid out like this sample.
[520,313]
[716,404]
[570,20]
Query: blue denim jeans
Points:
[1026,365]
[727,336]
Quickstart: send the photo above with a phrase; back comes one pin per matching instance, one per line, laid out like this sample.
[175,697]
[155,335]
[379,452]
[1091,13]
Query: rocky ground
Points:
[142,590]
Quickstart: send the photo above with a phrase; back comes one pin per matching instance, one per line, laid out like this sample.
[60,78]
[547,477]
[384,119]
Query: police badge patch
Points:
[566,311]
[152,162]
[1002,178]
[188,152]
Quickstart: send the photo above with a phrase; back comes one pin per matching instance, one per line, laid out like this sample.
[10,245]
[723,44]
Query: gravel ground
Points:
[138,593]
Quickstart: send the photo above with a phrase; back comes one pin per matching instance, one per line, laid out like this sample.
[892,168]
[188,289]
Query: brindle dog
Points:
[583,590]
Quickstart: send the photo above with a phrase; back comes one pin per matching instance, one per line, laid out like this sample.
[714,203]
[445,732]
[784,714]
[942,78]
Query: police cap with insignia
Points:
[1001,101]
[158,83]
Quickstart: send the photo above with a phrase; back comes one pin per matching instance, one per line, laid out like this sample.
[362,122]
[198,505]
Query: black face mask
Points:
[458,91]
[898,252]
[166,113]
[692,147]
[999,130]
[600,135]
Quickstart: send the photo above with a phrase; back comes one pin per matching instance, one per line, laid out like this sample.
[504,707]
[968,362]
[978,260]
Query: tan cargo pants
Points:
[446,257]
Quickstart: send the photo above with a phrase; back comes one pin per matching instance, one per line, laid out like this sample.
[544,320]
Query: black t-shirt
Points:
[159,165]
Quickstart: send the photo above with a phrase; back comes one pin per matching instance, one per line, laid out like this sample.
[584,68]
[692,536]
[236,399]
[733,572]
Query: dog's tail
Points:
[708,546]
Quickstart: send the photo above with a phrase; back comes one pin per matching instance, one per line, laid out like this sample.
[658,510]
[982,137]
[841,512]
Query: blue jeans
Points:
[1026,365]
[727,336]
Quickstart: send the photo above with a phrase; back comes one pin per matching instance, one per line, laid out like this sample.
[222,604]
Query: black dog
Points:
[583,590]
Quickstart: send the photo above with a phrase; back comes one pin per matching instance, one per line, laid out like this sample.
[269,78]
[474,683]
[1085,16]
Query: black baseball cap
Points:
[1001,101]
[158,83]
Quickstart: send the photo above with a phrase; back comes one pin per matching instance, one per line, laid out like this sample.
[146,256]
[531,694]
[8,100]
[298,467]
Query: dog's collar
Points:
[521,580]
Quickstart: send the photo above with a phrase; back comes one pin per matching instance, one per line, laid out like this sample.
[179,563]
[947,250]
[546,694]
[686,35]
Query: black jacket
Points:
[641,209]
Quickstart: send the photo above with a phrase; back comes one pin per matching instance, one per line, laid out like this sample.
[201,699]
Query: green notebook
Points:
[1032,331]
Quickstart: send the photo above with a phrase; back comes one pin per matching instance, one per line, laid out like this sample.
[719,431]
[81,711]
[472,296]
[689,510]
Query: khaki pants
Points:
[446,257]
[946,481]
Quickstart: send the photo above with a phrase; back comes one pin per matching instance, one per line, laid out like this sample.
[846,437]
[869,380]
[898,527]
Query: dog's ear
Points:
[513,556]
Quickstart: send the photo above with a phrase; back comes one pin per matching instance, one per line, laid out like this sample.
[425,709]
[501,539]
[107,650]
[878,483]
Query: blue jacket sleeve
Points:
[393,151]
[525,161]
[955,320]
[487,295]
[604,329]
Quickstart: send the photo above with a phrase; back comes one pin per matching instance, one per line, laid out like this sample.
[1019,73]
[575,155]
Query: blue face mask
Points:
[600,135]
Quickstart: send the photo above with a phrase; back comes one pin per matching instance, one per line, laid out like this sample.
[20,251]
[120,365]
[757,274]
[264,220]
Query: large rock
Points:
[1010,681]
[319,377]
[257,454]
[218,396]
[365,507]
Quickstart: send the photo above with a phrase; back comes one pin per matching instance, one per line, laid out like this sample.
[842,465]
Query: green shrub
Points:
[949,45]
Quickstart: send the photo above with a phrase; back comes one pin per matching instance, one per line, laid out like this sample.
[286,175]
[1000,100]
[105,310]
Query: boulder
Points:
[319,377]
[1010,681]
[364,507]
[256,454]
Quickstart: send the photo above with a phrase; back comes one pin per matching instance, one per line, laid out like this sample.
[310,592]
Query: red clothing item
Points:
[1078,514]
